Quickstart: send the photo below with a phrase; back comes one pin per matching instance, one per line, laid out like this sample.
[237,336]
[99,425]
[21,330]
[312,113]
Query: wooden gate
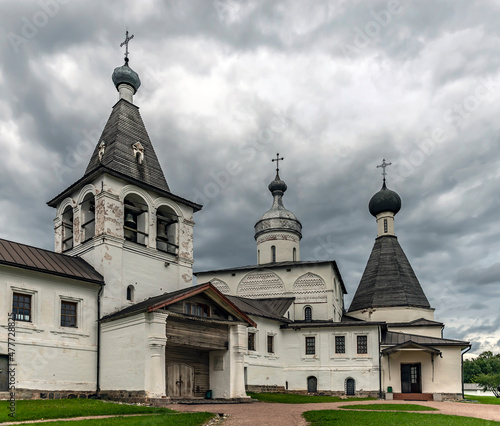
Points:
[180,380]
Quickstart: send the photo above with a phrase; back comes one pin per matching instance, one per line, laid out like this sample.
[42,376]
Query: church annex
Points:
[113,310]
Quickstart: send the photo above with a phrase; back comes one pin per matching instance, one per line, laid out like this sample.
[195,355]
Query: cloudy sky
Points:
[334,87]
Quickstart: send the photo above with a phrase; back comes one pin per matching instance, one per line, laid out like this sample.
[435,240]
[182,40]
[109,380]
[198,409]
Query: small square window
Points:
[21,307]
[68,314]
[251,341]
[270,344]
[340,344]
[310,345]
[362,344]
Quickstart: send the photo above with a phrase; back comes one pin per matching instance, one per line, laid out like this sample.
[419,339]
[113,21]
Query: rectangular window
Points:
[270,344]
[251,341]
[21,307]
[310,345]
[197,309]
[362,344]
[340,344]
[68,314]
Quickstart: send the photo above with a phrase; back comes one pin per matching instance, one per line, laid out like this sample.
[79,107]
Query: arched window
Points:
[135,224]
[308,314]
[273,254]
[294,254]
[258,256]
[130,293]
[88,217]
[350,386]
[312,384]
[166,230]
[67,229]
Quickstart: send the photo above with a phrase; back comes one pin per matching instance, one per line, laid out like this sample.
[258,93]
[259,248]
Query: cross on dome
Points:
[384,165]
[127,39]
[277,159]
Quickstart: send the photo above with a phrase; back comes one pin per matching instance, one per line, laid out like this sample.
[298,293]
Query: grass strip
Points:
[173,419]
[288,398]
[389,407]
[64,408]
[483,399]
[341,417]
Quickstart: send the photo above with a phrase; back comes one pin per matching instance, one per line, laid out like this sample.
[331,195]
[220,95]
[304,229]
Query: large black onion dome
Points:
[127,75]
[384,201]
[277,185]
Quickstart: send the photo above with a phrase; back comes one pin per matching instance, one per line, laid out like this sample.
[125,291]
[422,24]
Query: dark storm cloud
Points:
[334,87]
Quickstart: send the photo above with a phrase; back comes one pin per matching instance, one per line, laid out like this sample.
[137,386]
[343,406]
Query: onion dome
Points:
[126,75]
[384,201]
[278,218]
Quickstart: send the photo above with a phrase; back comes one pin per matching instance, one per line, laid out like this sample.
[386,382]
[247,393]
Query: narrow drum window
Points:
[273,254]
[385,226]
[130,293]
[308,314]
[294,254]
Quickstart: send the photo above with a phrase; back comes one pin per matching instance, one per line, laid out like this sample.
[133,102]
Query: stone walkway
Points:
[272,414]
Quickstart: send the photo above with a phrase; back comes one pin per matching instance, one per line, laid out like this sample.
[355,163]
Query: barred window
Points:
[308,314]
[340,344]
[251,341]
[310,345]
[21,307]
[68,314]
[362,344]
[270,344]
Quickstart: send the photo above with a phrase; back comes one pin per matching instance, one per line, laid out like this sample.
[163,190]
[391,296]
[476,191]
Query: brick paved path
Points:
[264,413]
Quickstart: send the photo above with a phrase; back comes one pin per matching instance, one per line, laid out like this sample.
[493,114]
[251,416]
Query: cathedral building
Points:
[113,310]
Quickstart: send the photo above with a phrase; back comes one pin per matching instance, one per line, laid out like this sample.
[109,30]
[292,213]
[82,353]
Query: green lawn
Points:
[63,408]
[287,398]
[389,407]
[172,419]
[483,399]
[333,417]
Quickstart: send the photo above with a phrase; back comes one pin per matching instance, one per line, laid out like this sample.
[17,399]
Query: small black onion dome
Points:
[384,201]
[277,185]
[127,75]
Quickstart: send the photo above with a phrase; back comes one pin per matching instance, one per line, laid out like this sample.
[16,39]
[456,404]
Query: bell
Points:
[129,220]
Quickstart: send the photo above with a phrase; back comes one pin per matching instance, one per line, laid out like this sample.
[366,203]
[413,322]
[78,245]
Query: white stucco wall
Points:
[396,314]
[48,356]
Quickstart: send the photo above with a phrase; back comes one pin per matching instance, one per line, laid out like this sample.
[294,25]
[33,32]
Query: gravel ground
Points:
[264,413]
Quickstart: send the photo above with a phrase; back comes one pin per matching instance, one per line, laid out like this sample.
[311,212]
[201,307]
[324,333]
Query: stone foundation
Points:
[339,394]
[121,395]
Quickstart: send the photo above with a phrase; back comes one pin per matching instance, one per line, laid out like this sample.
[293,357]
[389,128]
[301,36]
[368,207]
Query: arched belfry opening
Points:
[135,226]
[167,224]
[88,217]
[67,229]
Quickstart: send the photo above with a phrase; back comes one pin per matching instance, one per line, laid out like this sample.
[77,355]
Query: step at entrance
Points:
[414,396]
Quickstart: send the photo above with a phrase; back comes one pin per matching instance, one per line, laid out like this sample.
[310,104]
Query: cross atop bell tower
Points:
[127,39]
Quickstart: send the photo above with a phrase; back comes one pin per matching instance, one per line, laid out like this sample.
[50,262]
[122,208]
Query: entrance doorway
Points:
[350,387]
[4,373]
[312,384]
[411,378]
[180,379]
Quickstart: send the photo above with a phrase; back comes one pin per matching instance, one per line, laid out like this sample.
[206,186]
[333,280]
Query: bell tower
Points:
[121,216]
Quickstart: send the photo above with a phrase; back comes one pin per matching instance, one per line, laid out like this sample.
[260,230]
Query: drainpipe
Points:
[98,365]
[463,353]
[379,366]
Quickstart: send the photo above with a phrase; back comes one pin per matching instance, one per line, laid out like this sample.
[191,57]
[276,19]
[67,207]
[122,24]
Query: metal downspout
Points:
[98,365]
[379,366]
[463,353]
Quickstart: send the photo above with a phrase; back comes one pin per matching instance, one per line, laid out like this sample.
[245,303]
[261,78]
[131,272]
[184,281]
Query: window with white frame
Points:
[310,345]
[22,307]
[69,314]
[340,344]
[362,344]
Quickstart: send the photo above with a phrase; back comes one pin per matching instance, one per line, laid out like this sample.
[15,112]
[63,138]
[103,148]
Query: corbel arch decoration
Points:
[261,283]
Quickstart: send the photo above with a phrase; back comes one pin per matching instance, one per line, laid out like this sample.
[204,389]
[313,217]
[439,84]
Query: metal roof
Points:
[273,308]
[166,299]
[40,260]
[420,322]
[391,338]
[388,279]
